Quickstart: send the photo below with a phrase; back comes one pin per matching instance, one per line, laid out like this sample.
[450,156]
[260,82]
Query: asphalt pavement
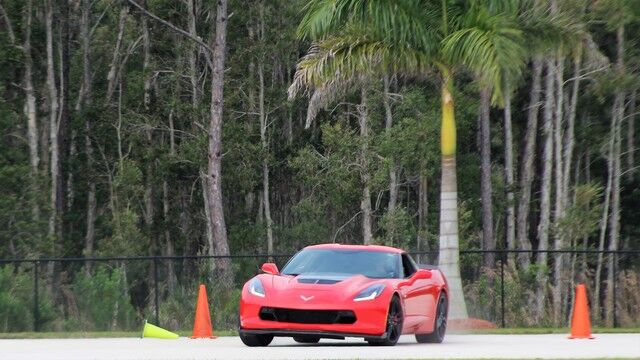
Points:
[455,347]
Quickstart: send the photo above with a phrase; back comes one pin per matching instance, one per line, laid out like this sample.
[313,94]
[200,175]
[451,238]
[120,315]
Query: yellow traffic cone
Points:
[152,331]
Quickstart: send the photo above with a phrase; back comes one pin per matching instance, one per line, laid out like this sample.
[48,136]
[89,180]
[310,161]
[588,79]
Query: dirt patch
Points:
[470,324]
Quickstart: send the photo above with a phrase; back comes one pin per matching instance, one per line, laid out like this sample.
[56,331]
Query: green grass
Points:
[95,334]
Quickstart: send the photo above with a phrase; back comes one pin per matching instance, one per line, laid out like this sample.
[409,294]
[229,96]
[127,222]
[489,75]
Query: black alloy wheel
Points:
[395,318]
[255,339]
[440,326]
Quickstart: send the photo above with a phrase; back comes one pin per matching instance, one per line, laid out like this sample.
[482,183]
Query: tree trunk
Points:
[53,118]
[526,173]
[265,161]
[171,273]
[31,111]
[423,211]
[149,192]
[510,232]
[545,189]
[570,134]
[558,213]
[614,220]
[488,240]
[193,54]
[393,181]
[603,223]
[115,61]
[146,62]
[631,147]
[214,167]
[449,258]
[86,100]
[365,177]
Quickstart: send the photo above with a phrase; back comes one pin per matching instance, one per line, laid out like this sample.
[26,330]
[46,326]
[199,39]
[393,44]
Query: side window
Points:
[408,266]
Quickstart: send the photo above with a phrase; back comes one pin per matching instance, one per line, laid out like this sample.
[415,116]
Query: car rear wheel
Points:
[440,326]
[306,339]
[256,339]
[394,325]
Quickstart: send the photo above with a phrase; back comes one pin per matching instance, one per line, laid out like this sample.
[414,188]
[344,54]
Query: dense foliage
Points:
[130,103]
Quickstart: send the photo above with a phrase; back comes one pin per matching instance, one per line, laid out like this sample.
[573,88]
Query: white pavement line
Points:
[455,347]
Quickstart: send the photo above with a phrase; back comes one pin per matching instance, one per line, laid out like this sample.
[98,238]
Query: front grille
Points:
[308,316]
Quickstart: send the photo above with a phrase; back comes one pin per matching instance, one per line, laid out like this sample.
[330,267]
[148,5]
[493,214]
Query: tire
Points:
[306,339]
[440,323]
[255,339]
[395,318]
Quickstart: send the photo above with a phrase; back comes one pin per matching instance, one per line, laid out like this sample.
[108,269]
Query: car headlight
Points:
[256,288]
[370,293]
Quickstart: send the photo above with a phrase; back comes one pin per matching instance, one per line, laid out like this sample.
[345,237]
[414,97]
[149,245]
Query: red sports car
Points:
[336,291]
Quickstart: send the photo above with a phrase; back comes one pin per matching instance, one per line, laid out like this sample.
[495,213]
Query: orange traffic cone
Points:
[202,325]
[580,323]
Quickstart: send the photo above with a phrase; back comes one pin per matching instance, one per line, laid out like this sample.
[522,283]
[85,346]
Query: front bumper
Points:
[370,318]
[321,334]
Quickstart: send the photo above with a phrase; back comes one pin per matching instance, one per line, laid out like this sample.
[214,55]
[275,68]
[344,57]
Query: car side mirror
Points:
[422,274]
[270,268]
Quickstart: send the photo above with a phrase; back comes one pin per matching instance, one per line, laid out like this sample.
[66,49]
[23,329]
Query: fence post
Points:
[36,305]
[615,290]
[502,288]
[155,282]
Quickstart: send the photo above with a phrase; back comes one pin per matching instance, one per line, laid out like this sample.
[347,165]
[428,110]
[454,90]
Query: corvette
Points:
[335,291]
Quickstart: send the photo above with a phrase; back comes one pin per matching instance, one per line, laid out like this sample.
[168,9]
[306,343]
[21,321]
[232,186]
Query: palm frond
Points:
[489,45]
[401,22]
[343,57]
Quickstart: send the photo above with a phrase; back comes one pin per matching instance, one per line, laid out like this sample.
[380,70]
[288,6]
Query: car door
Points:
[414,296]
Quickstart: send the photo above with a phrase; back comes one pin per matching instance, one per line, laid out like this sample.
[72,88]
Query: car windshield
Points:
[372,264]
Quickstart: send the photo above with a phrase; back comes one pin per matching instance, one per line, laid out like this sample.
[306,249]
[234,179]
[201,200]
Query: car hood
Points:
[329,287]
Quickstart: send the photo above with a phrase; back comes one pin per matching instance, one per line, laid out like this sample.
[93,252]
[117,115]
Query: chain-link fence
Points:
[118,293]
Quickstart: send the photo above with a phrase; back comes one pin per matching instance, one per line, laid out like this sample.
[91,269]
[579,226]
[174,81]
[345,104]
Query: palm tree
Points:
[413,37]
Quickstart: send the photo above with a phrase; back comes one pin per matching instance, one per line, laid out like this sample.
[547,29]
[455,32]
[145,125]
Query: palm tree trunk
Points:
[488,240]
[449,261]
[526,173]
[365,177]
[545,196]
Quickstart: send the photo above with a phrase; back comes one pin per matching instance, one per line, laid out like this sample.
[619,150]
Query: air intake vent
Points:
[308,316]
[318,281]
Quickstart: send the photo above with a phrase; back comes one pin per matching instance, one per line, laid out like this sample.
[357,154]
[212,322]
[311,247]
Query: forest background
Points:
[201,127]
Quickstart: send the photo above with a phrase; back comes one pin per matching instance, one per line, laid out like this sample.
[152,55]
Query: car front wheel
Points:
[256,339]
[395,319]
[306,339]
[440,326]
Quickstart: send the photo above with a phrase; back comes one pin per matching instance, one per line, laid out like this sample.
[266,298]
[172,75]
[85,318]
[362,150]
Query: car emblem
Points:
[306,298]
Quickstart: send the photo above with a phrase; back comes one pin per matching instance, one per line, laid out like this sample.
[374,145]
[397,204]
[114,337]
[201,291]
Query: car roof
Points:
[356,247]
